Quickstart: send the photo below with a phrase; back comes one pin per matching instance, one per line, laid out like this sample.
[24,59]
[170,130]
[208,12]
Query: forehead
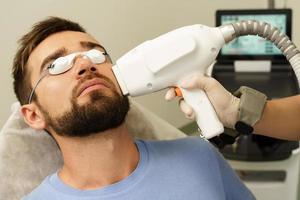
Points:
[66,39]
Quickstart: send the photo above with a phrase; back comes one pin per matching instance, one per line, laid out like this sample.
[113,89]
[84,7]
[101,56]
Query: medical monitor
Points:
[254,47]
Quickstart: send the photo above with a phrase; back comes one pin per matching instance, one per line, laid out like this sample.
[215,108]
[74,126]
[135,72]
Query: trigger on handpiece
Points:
[178,92]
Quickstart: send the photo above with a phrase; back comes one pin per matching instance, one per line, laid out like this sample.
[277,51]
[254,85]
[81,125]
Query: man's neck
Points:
[98,160]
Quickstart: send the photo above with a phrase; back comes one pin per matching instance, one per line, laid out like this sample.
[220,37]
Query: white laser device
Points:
[175,56]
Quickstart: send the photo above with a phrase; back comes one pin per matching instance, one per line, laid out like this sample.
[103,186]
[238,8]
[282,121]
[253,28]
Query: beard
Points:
[102,112]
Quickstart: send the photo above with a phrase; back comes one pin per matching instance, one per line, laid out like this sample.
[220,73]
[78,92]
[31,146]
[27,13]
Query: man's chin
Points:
[96,113]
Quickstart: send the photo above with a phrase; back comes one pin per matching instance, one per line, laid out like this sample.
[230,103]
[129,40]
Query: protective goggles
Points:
[65,63]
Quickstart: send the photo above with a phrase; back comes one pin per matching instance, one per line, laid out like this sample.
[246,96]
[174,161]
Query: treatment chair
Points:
[27,156]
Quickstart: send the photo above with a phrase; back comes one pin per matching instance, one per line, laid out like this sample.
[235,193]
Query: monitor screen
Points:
[249,47]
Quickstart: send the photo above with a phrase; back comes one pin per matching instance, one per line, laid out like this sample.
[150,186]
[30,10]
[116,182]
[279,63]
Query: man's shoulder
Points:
[43,191]
[191,154]
[189,141]
[188,145]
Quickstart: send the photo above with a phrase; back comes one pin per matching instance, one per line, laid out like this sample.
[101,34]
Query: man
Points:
[63,79]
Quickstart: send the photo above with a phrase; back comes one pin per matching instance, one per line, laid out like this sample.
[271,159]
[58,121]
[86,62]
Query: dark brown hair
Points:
[28,42]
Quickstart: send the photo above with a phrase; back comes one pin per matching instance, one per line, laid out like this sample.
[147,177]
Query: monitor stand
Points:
[252,66]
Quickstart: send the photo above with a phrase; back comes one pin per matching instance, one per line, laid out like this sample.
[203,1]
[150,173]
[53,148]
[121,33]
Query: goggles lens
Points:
[63,64]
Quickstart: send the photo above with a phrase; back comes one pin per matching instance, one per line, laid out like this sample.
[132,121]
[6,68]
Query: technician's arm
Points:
[280,118]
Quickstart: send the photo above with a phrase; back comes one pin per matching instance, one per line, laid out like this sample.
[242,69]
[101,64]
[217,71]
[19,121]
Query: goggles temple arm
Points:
[45,73]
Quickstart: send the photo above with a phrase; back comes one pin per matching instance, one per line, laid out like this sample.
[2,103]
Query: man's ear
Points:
[33,116]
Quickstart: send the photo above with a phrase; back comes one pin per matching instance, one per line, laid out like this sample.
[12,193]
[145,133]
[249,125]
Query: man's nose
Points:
[83,65]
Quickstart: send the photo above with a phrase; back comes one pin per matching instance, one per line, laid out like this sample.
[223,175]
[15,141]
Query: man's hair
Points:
[28,42]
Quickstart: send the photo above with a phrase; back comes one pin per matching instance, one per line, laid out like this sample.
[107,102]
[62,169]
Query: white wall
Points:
[119,25]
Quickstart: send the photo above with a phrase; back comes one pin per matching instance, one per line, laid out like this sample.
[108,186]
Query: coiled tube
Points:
[273,34]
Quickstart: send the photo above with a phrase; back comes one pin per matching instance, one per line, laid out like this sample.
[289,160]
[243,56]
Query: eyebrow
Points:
[91,45]
[58,53]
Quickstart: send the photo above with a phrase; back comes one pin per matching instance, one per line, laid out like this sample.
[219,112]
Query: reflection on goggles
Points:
[63,64]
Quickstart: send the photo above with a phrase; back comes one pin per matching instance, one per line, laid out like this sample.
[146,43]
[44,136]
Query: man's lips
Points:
[91,85]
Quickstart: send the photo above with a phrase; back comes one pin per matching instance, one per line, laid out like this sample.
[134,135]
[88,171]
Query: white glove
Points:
[226,105]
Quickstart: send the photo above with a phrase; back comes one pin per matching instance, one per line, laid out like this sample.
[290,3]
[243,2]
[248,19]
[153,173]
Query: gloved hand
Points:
[226,105]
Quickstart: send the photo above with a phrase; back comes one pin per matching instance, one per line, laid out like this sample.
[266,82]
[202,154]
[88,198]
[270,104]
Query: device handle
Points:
[206,117]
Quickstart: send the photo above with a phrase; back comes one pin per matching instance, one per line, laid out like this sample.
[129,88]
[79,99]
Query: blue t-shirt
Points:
[183,169]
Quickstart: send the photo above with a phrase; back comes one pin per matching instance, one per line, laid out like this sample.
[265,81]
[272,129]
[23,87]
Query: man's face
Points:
[85,99]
